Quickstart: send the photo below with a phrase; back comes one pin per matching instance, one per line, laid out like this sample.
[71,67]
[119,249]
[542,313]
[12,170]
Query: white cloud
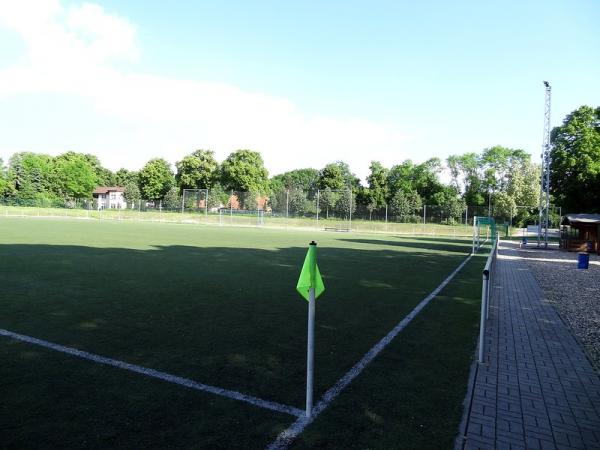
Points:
[71,51]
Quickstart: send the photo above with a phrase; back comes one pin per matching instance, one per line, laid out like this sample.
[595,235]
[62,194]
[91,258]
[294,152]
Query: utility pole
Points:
[544,207]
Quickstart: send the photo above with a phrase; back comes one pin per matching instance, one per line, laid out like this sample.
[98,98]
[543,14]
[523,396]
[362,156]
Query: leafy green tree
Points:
[200,170]
[132,192]
[3,179]
[379,188]
[575,166]
[421,178]
[74,176]
[155,179]
[31,175]
[244,170]
[467,175]
[345,203]
[104,176]
[303,179]
[331,178]
[217,197]
[400,205]
[327,200]
[124,177]
[504,205]
[172,200]
[337,176]
[524,184]
[297,201]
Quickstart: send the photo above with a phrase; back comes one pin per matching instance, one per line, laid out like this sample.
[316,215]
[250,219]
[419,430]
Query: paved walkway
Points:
[536,388]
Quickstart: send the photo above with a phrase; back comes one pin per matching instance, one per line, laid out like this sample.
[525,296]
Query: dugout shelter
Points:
[580,233]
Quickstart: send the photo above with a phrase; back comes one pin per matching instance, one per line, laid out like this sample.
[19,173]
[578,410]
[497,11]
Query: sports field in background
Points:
[218,305]
[242,218]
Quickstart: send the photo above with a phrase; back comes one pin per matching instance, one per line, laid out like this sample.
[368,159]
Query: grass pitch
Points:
[218,305]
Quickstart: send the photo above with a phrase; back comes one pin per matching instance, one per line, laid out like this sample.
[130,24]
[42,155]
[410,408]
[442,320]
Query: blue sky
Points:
[305,83]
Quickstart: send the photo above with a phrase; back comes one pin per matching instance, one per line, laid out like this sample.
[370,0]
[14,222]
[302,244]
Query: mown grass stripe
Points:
[286,437]
[267,404]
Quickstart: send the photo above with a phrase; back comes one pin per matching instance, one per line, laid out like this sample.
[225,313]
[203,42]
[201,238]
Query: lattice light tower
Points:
[545,179]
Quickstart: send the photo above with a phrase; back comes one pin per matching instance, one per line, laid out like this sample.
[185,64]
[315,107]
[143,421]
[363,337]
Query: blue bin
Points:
[583,260]
[524,240]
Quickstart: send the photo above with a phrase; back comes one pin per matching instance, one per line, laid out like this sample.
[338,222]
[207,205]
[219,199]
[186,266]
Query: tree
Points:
[337,176]
[330,177]
[303,179]
[217,197]
[504,205]
[297,201]
[3,178]
[244,170]
[132,192]
[74,176]
[327,200]
[155,179]
[123,177]
[421,178]
[30,175]
[200,170]
[172,200]
[345,203]
[400,205]
[379,188]
[575,166]
[104,176]
[466,173]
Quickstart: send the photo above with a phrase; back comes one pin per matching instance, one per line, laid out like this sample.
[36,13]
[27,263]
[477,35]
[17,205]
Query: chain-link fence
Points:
[326,209]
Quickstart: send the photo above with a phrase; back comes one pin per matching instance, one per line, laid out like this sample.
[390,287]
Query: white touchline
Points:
[274,406]
[287,436]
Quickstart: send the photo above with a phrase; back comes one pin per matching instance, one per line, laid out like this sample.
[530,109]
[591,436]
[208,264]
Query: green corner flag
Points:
[310,275]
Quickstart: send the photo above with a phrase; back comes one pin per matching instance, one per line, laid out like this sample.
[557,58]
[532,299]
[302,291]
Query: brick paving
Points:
[536,389]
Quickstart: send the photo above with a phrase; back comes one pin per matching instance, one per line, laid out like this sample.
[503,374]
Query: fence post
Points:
[287,204]
[484,300]
[386,218]
[318,195]
[350,224]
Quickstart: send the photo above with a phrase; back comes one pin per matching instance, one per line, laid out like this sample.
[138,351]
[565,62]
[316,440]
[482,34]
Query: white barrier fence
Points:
[489,272]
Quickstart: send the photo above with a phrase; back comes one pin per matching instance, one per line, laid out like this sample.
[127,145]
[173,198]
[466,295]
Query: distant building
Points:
[109,197]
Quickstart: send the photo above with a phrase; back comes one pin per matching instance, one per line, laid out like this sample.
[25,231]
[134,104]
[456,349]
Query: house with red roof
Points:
[109,197]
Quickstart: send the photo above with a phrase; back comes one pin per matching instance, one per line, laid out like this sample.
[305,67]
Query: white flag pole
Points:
[310,356]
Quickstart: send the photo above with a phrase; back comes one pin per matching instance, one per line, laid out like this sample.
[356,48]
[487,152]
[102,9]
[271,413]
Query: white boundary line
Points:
[274,406]
[292,432]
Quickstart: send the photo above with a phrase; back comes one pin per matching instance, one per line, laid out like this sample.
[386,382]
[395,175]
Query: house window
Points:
[113,196]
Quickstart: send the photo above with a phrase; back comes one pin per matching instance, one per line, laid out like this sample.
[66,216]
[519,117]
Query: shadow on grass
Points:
[220,315]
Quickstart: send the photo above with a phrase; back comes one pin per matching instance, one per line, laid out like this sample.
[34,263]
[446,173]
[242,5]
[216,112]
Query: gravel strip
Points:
[575,293]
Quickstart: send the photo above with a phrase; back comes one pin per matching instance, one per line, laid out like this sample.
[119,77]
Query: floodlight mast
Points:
[544,207]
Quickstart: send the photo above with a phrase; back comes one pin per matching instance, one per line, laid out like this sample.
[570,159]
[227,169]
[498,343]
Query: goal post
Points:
[241,217]
[484,230]
[335,209]
[194,200]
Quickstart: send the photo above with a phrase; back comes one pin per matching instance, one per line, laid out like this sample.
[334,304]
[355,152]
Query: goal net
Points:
[194,201]
[484,230]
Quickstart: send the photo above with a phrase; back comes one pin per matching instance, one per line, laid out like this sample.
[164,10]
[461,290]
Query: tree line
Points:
[503,177]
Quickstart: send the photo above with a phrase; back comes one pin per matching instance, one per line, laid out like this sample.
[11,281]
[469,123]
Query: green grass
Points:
[218,305]
[359,225]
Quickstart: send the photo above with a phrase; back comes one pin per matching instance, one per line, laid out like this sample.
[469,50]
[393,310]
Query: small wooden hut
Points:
[580,233]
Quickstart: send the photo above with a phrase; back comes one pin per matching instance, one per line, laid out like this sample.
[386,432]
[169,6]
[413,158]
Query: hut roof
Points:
[583,219]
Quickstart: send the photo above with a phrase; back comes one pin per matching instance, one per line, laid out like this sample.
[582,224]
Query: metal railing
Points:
[489,272]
